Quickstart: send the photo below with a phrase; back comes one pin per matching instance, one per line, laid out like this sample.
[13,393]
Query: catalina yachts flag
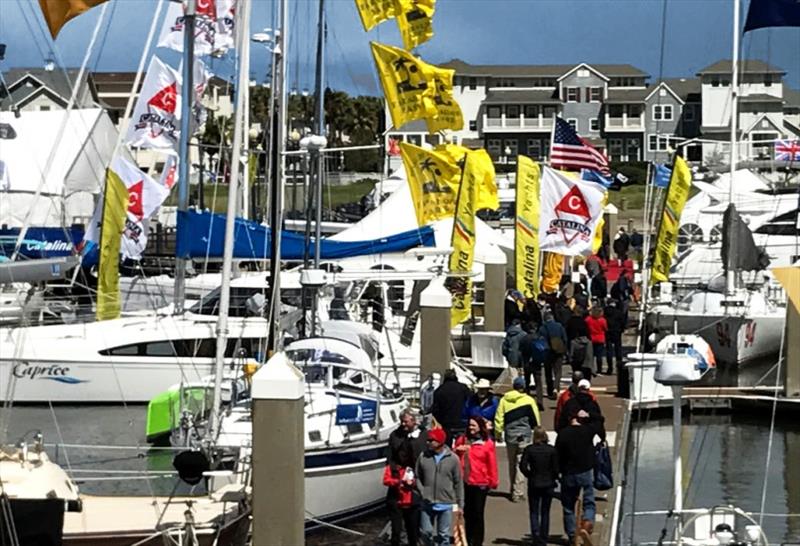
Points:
[571,211]
[156,118]
[145,196]
[213,27]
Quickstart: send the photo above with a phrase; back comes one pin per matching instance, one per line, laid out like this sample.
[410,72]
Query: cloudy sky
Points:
[695,34]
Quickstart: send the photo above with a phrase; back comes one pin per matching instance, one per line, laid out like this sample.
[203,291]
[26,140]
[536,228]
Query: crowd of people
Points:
[442,476]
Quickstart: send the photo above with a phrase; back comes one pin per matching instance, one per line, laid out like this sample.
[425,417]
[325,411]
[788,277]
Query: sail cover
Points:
[739,250]
[201,235]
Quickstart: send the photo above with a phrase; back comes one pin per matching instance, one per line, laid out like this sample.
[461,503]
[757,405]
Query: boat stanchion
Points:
[278,454]
[435,302]
[494,289]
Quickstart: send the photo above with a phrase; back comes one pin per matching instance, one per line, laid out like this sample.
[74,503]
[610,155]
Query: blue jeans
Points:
[539,499]
[571,485]
[442,520]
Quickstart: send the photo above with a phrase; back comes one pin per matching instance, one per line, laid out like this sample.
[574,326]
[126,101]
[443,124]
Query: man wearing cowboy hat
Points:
[483,402]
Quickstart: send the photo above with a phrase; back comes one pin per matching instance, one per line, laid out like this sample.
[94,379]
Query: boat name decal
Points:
[53,372]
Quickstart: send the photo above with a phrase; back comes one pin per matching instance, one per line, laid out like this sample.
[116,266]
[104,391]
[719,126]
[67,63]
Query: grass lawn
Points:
[216,195]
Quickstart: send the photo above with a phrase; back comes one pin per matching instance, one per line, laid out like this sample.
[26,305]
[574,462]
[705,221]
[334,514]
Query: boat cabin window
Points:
[315,436]
[191,348]
[244,302]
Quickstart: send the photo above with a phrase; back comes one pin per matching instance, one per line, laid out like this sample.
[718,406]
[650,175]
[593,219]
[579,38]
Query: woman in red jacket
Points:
[402,498]
[597,326]
[476,451]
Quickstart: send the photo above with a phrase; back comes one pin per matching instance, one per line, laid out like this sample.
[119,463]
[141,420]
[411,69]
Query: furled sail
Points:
[739,250]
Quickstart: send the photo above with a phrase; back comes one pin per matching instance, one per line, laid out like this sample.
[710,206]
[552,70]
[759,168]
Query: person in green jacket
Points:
[517,415]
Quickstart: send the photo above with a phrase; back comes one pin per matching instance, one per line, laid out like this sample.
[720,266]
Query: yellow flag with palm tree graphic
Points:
[416,90]
[433,178]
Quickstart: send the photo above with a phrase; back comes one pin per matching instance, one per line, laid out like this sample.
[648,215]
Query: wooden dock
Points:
[508,523]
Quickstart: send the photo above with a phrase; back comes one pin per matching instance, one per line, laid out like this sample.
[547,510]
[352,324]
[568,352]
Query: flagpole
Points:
[187,94]
[730,277]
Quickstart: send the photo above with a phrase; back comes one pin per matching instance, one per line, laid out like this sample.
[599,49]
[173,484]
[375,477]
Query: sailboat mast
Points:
[730,279]
[320,128]
[278,177]
[243,80]
[187,95]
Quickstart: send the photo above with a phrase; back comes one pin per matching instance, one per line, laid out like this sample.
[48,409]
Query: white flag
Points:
[571,210]
[145,196]
[169,174]
[156,119]
[213,32]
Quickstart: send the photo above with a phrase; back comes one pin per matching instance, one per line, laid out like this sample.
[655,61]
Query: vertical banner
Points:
[526,227]
[667,238]
[115,206]
[552,271]
[464,241]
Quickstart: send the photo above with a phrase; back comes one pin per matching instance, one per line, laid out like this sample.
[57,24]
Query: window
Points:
[473,125]
[494,146]
[662,112]
[632,149]
[473,83]
[531,111]
[688,113]
[615,147]
[660,143]
[416,140]
[583,73]
[595,94]
[534,148]
[511,147]
[493,112]
[549,111]
[594,124]
[573,94]
[573,123]
[44,108]
[512,111]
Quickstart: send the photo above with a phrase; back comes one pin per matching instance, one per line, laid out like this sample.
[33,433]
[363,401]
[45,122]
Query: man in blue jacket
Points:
[557,343]
[483,402]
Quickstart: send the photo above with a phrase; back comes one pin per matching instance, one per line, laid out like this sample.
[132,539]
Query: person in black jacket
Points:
[599,287]
[585,406]
[575,447]
[406,443]
[448,405]
[540,465]
[615,318]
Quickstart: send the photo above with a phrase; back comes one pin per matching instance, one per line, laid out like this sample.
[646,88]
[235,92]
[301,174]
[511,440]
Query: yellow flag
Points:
[679,184]
[526,232]
[115,207]
[789,277]
[597,241]
[552,271]
[415,21]
[415,89]
[487,188]
[58,12]
[463,241]
[373,12]
[433,178]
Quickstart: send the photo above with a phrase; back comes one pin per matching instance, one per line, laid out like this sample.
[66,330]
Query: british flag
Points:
[787,150]
[571,152]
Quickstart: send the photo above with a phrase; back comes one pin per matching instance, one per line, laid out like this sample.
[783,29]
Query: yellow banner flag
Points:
[58,12]
[415,89]
[487,188]
[526,228]
[433,178]
[679,184]
[373,12]
[463,241]
[552,271]
[115,207]
[789,277]
[415,21]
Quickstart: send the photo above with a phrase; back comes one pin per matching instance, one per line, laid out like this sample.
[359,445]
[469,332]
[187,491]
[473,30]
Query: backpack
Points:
[557,345]
[579,347]
[538,350]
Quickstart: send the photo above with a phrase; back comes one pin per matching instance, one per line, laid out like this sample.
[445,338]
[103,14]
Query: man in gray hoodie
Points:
[440,483]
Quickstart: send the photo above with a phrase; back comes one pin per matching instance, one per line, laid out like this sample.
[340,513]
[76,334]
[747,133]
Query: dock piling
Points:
[435,303]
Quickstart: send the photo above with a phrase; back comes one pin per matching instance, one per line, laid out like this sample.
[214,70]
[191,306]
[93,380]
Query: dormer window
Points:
[583,73]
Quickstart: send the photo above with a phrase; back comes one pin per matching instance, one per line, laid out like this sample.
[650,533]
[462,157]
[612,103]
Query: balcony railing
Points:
[625,122]
[517,122]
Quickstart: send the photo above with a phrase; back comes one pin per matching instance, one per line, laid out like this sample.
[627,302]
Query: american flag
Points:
[787,150]
[569,151]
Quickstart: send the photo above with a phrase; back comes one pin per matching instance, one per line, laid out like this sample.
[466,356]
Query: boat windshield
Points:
[315,363]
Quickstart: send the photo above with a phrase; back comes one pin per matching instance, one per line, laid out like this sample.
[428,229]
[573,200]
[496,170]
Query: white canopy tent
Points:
[66,167]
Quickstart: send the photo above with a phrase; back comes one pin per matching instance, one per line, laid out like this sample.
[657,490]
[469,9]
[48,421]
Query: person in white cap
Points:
[584,405]
[483,402]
